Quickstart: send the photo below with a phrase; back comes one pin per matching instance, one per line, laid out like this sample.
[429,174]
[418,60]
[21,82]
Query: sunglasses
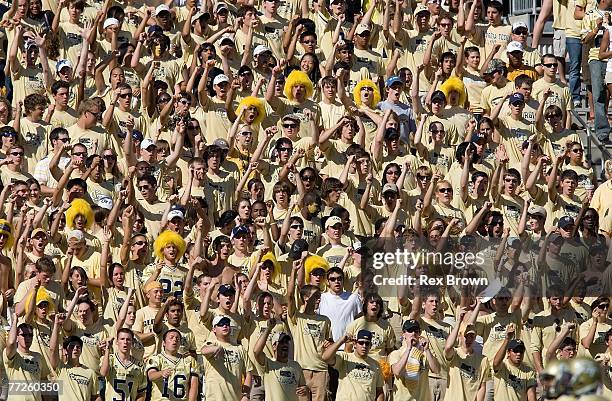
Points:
[9,135]
[522,32]
[556,115]
[445,190]
[364,343]
[185,102]
[141,187]
[413,330]
[550,65]
[394,172]
[512,180]
[310,42]
[246,133]
[65,140]
[289,125]
[125,95]
[517,104]
[223,325]
[423,177]
[308,178]
[334,279]
[285,149]
[603,306]
[16,153]
[577,150]
[139,243]
[110,157]
[437,131]
[80,154]
[266,267]
[297,227]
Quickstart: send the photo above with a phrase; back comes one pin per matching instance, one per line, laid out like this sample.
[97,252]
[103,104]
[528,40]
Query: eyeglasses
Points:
[80,154]
[364,343]
[335,279]
[16,153]
[246,133]
[125,95]
[9,135]
[185,102]
[445,190]
[285,125]
[577,150]
[512,180]
[551,65]
[308,178]
[297,227]
[394,172]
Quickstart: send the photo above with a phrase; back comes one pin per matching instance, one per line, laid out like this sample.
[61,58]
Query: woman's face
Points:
[307,64]
[34,192]
[281,197]
[77,280]
[250,114]
[348,130]
[576,153]
[118,277]
[244,209]
[110,160]
[8,140]
[392,174]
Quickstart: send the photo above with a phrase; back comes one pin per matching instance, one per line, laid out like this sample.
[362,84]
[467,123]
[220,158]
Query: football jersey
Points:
[175,386]
[124,381]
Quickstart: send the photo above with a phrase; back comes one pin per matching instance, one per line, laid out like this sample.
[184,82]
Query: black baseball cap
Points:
[364,335]
[411,325]
[227,290]
[516,345]
[391,134]
[297,248]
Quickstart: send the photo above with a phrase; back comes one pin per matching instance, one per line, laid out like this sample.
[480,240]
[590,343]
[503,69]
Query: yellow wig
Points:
[7,228]
[249,101]
[275,265]
[297,77]
[363,84]
[314,262]
[454,84]
[166,238]
[79,207]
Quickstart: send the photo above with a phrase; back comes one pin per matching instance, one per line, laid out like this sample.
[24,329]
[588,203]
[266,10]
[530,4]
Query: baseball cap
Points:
[260,49]
[36,231]
[105,202]
[514,46]
[495,65]
[42,295]
[110,22]
[332,221]
[77,235]
[536,210]
[361,28]
[176,211]
[220,6]
[239,230]
[411,325]
[221,320]
[391,133]
[519,24]
[220,78]
[137,135]
[477,136]
[554,237]
[222,143]
[565,221]
[225,37]
[147,143]
[517,98]
[227,290]
[389,187]
[162,8]
[438,96]
[152,285]
[364,335]
[421,8]
[393,80]
[63,63]
[292,117]
[516,345]
[244,70]
[297,248]
[155,29]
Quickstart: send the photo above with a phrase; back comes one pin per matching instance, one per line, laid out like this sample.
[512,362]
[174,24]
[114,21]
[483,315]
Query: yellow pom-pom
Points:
[7,228]
[252,101]
[454,84]
[297,77]
[385,369]
[314,262]
[166,238]
[79,207]
[366,83]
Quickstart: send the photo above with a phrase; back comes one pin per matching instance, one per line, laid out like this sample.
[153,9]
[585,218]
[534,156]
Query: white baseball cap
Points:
[260,49]
[226,36]
[220,78]
[175,213]
[110,22]
[519,24]
[146,143]
[63,63]
[77,235]
[105,202]
[514,46]
[161,8]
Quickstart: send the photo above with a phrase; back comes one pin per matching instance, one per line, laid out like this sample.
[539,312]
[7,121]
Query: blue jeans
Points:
[598,73]
[574,49]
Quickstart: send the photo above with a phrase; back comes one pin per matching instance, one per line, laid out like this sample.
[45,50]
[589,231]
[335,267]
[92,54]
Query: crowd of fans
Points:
[197,198]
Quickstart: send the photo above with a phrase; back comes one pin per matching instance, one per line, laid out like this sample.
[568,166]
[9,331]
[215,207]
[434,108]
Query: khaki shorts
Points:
[317,383]
[559,43]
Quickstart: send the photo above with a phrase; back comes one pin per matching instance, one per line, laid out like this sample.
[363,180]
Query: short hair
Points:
[552,109]
[211,151]
[329,80]
[175,302]
[126,331]
[87,105]
[547,55]
[24,326]
[76,182]
[115,12]
[336,270]
[330,184]
[72,339]
[477,174]
[78,4]
[512,172]
[522,80]
[496,5]
[56,132]
[34,100]
[282,142]
[172,331]
[471,49]
[57,85]
[311,197]
[149,179]
[460,152]
[308,290]
[245,9]
[45,265]
[568,341]
[569,175]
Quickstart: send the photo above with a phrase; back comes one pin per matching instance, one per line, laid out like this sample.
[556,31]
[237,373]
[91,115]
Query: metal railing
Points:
[518,7]
[592,140]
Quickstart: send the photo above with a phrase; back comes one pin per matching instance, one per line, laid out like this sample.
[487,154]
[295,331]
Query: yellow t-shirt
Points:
[145,317]
[512,382]
[308,333]
[414,383]
[560,95]
[281,379]
[78,382]
[466,374]
[358,378]
[383,336]
[24,368]
[223,376]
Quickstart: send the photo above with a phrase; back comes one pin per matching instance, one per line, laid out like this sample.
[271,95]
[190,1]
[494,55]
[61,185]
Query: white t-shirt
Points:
[340,309]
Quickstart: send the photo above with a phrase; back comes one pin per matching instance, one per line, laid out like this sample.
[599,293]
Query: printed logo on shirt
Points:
[286,377]
[468,372]
[230,356]
[361,372]
[31,365]
[81,380]
[516,383]
[73,39]
[313,330]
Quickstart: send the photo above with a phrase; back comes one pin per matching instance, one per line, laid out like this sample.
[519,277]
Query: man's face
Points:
[493,16]
[516,356]
[550,66]
[422,20]
[430,305]
[496,226]
[16,156]
[65,74]
[125,98]
[26,335]
[515,58]
[335,231]
[117,76]
[363,38]
[40,241]
[124,342]
[362,347]
[569,186]
[61,97]
[445,27]
[175,314]
[145,188]
[511,183]
[525,90]
[172,341]
[566,232]
[394,91]
[335,281]
[271,5]
[520,35]
[309,43]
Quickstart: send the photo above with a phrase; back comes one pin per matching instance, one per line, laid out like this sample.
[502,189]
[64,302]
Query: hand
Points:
[107,235]
[40,40]
[546,94]
[423,342]
[60,318]
[166,373]
[436,35]
[460,314]
[510,331]
[301,391]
